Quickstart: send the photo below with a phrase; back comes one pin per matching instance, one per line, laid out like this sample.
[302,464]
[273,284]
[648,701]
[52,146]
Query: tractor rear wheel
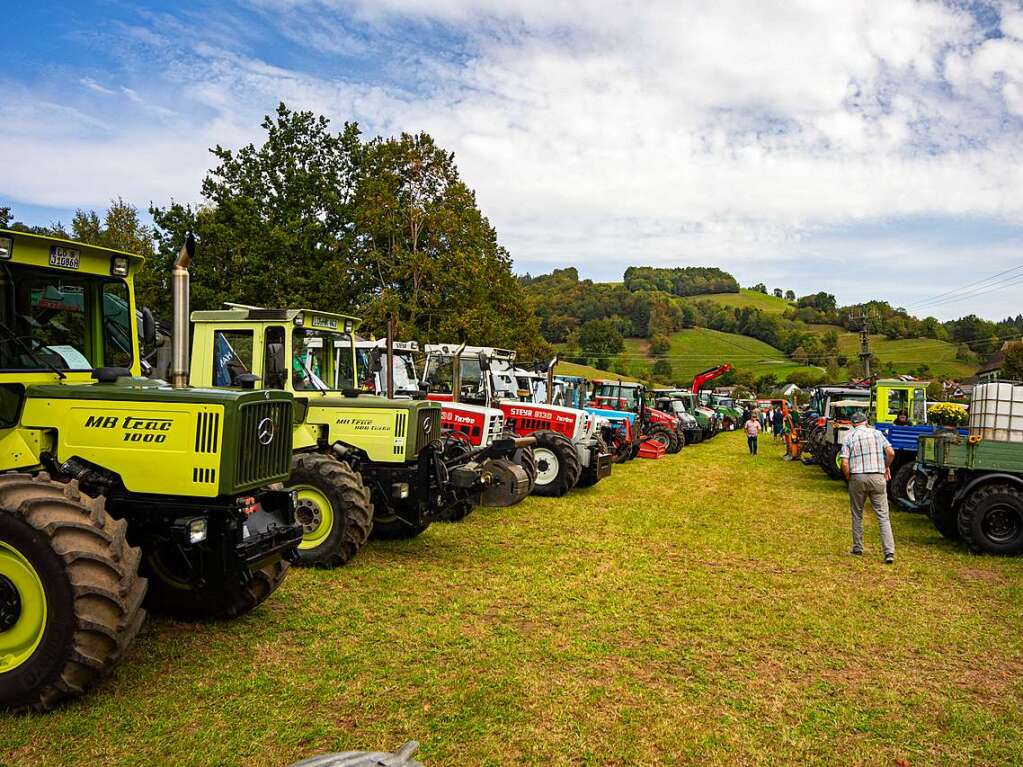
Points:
[831,461]
[943,513]
[223,595]
[333,506]
[557,464]
[663,435]
[70,591]
[991,519]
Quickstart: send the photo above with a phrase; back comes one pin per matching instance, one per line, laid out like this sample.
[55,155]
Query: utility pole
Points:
[864,341]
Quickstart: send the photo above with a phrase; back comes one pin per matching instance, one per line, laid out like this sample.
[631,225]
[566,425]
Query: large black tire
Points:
[943,514]
[90,581]
[664,435]
[902,486]
[524,457]
[557,464]
[829,461]
[991,519]
[223,596]
[334,535]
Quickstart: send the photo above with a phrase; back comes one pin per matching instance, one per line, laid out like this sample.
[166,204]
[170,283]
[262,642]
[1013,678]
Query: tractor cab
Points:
[371,363]
[899,402]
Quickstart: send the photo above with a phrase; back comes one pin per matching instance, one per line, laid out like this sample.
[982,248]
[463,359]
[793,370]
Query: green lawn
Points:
[696,349]
[751,298]
[699,609]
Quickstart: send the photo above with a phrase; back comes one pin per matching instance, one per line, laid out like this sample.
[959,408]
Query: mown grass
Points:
[745,298]
[699,609]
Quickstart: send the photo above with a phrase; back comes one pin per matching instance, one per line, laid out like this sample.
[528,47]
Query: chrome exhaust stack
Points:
[182,314]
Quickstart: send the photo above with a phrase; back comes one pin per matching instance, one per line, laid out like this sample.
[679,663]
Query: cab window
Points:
[275,371]
[898,399]
[232,355]
[118,326]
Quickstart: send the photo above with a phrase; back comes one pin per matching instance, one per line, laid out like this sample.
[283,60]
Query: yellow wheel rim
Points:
[315,514]
[25,598]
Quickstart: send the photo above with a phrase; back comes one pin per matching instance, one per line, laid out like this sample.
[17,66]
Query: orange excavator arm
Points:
[709,375]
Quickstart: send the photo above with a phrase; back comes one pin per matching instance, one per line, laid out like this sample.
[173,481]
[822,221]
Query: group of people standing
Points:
[769,420]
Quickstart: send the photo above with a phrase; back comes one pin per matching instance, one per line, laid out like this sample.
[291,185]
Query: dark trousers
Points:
[752,445]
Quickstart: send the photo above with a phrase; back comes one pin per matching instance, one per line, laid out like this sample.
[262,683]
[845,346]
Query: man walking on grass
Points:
[752,428]
[866,461]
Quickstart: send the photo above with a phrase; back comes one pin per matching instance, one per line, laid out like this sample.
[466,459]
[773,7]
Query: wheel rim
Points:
[547,465]
[22,608]
[314,512]
[1002,524]
[662,439]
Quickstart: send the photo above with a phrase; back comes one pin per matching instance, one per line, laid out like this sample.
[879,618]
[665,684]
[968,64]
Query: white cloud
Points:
[596,132]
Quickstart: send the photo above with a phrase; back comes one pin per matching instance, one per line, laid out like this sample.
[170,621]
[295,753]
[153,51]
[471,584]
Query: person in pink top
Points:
[752,428]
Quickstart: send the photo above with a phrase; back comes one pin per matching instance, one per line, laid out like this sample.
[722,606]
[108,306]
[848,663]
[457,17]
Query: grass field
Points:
[908,354]
[699,609]
[751,298]
[697,349]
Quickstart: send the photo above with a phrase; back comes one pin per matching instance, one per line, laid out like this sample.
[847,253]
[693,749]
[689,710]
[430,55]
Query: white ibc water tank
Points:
[996,412]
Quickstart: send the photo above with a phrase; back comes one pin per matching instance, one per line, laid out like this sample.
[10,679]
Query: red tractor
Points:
[655,425]
[568,450]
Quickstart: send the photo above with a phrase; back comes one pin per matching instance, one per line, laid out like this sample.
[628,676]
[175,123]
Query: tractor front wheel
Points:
[557,464]
[991,519]
[333,507]
[70,592]
[943,512]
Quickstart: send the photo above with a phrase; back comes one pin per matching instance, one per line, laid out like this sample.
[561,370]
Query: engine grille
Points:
[427,427]
[259,459]
[496,429]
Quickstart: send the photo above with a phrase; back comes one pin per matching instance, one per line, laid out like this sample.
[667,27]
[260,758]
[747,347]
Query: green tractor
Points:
[119,493]
[362,462]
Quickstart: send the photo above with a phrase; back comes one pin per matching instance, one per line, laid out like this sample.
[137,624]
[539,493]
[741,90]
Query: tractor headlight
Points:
[197,530]
[6,247]
[299,320]
[349,326]
[119,266]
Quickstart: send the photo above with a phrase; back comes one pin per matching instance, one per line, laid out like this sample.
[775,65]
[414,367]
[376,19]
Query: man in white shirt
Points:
[866,462]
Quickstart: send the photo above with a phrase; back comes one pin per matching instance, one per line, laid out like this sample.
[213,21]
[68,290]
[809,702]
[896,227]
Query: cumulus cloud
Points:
[598,132]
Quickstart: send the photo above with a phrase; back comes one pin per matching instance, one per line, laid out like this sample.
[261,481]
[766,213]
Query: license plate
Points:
[64,258]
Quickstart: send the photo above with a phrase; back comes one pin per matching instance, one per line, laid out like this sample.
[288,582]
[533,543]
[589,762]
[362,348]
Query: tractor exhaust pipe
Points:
[390,357]
[182,314]
[456,374]
[550,380]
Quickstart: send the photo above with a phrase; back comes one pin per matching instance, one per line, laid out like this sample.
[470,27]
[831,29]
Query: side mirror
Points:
[375,362]
[148,328]
[484,362]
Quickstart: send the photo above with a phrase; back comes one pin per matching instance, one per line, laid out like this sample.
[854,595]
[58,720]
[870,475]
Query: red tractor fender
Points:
[659,416]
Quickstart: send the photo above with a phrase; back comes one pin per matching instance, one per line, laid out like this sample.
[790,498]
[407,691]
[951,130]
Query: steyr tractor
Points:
[567,451]
[119,493]
[362,463]
[658,427]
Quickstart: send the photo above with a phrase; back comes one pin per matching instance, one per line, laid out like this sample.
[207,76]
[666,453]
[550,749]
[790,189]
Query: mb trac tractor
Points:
[655,426]
[361,462]
[567,450]
[119,493]
[975,481]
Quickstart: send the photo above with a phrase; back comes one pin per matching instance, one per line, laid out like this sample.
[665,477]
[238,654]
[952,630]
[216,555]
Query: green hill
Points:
[575,369]
[750,298]
[697,349]
[908,354]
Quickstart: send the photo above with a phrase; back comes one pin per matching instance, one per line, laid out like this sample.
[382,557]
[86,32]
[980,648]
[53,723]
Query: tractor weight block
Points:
[504,483]
[466,476]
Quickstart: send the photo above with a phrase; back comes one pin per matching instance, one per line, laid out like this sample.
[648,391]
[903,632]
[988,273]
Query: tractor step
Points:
[651,449]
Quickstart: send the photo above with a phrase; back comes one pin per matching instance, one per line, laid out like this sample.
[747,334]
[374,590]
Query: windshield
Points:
[614,392]
[48,319]
[321,361]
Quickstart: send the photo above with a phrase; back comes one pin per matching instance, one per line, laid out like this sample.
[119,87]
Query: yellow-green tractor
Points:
[358,457]
[119,493]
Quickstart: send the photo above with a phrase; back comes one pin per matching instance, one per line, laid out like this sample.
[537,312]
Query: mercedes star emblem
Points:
[265,431]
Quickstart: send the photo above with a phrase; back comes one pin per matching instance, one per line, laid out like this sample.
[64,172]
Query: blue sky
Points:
[874,149]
